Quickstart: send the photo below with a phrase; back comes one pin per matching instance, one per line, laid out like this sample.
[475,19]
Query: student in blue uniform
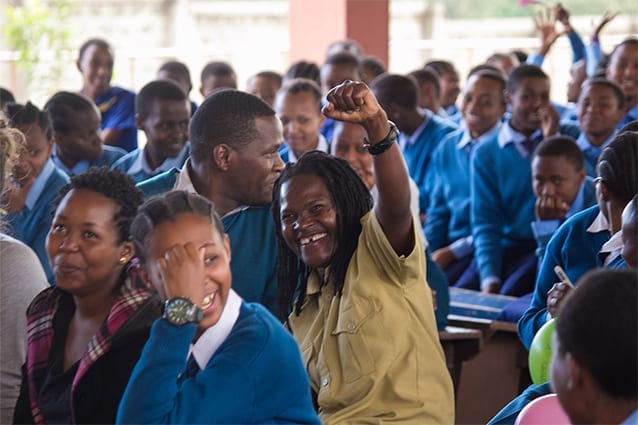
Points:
[178,72]
[162,112]
[621,69]
[117,105]
[235,141]
[448,227]
[421,132]
[501,187]
[243,365]
[298,106]
[581,242]
[76,131]
[601,106]
[36,181]
[560,185]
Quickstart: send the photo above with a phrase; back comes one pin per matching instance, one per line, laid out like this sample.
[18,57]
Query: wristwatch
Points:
[180,310]
[383,145]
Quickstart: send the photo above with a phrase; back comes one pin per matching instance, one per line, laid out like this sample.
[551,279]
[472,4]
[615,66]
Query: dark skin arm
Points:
[353,102]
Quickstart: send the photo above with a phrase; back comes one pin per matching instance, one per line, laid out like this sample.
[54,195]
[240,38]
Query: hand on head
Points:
[182,272]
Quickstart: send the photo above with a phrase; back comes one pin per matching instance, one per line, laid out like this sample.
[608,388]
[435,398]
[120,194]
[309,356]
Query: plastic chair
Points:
[544,410]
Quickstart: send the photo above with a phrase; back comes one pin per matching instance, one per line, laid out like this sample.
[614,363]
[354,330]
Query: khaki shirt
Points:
[373,355]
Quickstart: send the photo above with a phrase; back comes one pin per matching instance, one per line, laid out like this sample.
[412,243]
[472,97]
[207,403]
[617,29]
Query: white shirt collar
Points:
[141,164]
[599,224]
[509,135]
[183,182]
[408,140]
[213,337]
[322,145]
[466,137]
[583,142]
[613,246]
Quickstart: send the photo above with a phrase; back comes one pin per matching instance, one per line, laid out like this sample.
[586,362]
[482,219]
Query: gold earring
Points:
[123,260]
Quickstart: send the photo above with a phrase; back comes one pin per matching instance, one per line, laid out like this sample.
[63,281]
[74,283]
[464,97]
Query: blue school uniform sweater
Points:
[252,239]
[419,153]
[502,205]
[448,214]
[31,225]
[117,106]
[255,376]
[574,249]
[110,155]
[135,165]
[591,152]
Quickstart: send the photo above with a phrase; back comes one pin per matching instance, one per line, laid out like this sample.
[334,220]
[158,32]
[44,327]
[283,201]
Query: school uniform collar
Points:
[600,224]
[612,247]
[213,337]
[80,166]
[584,144]
[38,185]
[183,182]
[322,145]
[467,138]
[141,164]
[508,135]
[408,140]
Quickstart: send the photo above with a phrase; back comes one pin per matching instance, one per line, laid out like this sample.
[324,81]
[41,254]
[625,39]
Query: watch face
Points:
[176,310]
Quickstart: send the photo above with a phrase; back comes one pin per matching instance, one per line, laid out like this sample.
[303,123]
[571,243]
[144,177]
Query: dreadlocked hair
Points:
[351,201]
[113,184]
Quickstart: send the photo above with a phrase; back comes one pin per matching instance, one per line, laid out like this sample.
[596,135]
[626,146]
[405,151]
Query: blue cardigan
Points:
[576,251]
[256,376]
[419,154]
[32,226]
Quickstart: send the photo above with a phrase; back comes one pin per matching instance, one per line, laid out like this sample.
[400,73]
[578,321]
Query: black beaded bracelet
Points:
[383,145]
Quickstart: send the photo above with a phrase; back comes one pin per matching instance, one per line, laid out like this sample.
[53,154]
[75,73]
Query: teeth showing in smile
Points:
[208,301]
[313,238]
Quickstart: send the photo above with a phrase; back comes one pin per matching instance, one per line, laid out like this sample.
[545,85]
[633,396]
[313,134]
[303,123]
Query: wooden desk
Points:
[459,345]
[495,375]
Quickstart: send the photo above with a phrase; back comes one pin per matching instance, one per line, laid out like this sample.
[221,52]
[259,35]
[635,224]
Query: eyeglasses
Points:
[598,180]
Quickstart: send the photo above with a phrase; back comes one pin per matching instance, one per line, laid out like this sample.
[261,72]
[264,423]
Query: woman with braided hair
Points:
[353,278]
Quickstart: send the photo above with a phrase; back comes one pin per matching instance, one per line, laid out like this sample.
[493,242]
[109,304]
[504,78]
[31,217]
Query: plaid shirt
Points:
[40,331]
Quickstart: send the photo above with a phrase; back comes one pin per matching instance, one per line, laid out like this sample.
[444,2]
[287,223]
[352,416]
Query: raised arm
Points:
[353,102]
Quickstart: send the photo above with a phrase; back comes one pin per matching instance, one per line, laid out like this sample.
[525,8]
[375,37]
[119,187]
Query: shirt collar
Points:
[599,224]
[213,337]
[80,167]
[38,185]
[584,143]
[184,182]
[322,145]
[613,246]
[509,135]
[489,134]
[408,140]
[141,164]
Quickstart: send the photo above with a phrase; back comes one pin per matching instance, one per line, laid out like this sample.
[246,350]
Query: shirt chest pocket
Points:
[352,334]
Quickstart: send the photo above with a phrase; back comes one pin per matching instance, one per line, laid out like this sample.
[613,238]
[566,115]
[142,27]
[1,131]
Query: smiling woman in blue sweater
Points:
[243,366]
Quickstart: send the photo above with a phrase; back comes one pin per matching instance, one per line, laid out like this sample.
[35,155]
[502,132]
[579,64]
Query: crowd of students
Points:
[303,233]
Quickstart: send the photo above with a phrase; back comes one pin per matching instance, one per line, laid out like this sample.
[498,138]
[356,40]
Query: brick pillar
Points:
[316,24]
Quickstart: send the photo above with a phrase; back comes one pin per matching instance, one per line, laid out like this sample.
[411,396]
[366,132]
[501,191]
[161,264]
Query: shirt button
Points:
[351,326]
[324,382]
